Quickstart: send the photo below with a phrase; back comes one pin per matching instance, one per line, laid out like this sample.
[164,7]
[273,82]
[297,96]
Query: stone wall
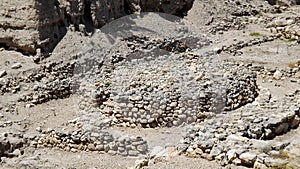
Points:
[284,2]
[34,26]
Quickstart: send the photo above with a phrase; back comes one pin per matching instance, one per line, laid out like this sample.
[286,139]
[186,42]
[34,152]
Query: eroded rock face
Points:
[15,31]
[51,24]
[32,24]
[96,13]
[29,25]
[176,7]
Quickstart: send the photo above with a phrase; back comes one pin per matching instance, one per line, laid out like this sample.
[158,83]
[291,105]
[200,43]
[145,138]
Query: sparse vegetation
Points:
[292,40]
[108,71]
[108,83]
[255,34]
[293,64]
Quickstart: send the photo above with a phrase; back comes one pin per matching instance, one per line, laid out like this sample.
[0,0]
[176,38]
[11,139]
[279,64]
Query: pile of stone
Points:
[9,85]
[292,71]
[232,22]
[166,88]
[141,46]
[284,2]
[144,42]
[54,82]
[100,141]
[12,145]
[220,17]
[235,48]
[243,136]
[46,83]
[143,87]
[287,28]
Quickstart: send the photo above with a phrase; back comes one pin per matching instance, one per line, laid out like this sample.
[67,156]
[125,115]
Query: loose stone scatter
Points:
[235,48]
[100,141]
[12,145]
[55,82]
[243,137]
[291,71]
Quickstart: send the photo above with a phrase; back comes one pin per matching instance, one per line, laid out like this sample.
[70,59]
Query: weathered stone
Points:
[16,152]
[141,163]
[277,75]
[231,155]
[282,128]
[3,73]
[112,152]
[133,153]
[295,122]
[100,147]
[16,66]
[142,148]
[91,147]
[259,165]
[234,137]
[261,145]
[191,153]
[220,157]
[248,158]
[274,121]
[237,161]
[215,151]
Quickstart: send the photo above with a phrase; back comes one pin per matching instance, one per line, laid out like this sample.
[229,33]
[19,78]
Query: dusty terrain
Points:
[218,88]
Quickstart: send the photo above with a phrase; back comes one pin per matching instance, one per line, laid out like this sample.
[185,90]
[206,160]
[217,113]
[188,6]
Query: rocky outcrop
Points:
[35,26]
[30,25]
[15,31]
